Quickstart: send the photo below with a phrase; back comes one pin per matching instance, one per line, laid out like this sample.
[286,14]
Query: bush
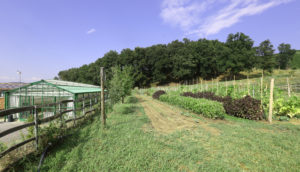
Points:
[207,108]
[246,107]
[158,93]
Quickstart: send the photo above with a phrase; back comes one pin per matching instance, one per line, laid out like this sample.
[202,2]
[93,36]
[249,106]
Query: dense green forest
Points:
[184,60]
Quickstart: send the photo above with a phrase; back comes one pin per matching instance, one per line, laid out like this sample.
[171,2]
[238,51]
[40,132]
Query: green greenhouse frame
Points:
[46,92]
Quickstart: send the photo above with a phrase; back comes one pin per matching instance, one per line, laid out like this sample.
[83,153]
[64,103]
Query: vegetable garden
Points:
[248,98]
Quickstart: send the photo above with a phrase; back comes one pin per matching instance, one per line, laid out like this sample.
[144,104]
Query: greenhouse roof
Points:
[52,87]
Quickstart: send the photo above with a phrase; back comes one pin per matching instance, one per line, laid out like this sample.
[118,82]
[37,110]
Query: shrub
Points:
[158,93]
[207,108]
[246,107]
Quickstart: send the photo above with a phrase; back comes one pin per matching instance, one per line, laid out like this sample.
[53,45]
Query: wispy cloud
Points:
[91,31]
[208,17]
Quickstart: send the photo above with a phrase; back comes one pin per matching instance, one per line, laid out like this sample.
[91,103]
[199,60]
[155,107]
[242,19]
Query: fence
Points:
[86,104]
[256,88]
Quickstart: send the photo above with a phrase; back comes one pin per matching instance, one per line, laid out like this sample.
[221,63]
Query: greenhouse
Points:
[45,92]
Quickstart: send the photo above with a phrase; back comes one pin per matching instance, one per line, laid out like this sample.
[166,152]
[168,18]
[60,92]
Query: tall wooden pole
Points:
[288,87]
[271,100]
[36,128]
[103,116]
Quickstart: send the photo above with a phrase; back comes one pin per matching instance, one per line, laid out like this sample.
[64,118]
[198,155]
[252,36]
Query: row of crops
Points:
[236,100]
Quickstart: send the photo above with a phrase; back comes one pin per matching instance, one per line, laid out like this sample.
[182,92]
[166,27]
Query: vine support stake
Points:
[36,127]
[261,91]
[271,100]
[288,87]
[103,116]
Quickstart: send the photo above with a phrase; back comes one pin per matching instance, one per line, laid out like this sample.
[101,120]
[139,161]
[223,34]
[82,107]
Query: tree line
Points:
[186,60]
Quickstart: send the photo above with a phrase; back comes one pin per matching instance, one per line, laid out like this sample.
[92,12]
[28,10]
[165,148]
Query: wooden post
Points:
[217,87]
[36,127]
[288,87]
[61,117]
[233,84]
[248,85]
[83,107]
[201,85]
[74,112]
[271,100]
[261,91]
[102,96]
[226,86]
[90,104]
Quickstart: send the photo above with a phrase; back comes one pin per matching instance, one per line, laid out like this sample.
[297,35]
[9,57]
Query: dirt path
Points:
[166,119]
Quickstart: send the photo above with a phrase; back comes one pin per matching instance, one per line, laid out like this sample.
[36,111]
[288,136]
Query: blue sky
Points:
[41,38]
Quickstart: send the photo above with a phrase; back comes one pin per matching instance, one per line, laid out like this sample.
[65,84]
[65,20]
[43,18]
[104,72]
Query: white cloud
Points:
[91,31]
[208,17]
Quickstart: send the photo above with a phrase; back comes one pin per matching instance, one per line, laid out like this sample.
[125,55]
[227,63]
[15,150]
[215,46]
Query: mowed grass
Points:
[130,144]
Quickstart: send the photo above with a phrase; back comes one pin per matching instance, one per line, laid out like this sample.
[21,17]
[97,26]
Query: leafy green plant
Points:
[207,108]
[289,107]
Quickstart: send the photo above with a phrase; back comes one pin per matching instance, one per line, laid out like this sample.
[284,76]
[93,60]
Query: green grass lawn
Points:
[129,144]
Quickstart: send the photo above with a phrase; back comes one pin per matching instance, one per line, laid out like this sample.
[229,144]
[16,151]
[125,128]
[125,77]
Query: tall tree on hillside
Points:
[242,54]
[265,54]
[285,55]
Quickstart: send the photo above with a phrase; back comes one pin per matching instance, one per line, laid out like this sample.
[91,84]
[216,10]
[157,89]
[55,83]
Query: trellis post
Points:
[36,126]
[271,100]
[288,87]
[103,116]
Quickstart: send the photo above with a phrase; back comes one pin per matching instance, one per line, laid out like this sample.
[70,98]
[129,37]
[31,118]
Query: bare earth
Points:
[167,119]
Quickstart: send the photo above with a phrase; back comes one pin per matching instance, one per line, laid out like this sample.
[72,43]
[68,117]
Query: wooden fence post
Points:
[288,87]
[83,107]
[36,127]
[90,104]
[261,91]
[233,84]
[74,110]
[103,116]
[226,86]
[61,117]
[248,85]
[271,100]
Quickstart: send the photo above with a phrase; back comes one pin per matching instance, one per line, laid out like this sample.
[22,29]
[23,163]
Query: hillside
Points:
[296,60]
